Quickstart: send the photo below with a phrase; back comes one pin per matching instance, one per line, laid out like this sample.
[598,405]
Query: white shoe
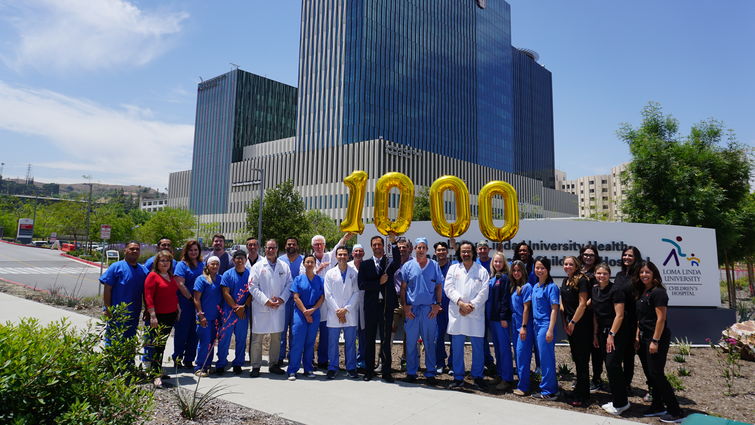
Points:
[607,405]
[615,410]
[292,377]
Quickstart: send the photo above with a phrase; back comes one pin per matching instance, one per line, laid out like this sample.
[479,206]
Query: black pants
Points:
[378,318]
[663,393]
[596,354]
[580,342]
[157,337]
[614,368]
[629,353]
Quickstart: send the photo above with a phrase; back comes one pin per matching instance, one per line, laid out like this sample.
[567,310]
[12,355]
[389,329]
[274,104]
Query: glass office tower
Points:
[533,118]
[434,75]
[234,110]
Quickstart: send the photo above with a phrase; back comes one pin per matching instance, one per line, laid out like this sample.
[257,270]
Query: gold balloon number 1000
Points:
[357,185]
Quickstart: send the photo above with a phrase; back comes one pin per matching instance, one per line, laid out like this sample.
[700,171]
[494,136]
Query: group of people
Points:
[307,303]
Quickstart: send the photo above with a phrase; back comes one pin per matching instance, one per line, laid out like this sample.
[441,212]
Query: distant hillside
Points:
[98,189]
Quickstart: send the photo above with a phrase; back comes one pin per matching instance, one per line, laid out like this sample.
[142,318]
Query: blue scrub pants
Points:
[547,353]
[322,344]
[206,345]
[349,347]
[287,335]
[427,328]
[185,335]
[232,325]
[502,345]
[478,358]
[440,340]
[303,337]
[523,351]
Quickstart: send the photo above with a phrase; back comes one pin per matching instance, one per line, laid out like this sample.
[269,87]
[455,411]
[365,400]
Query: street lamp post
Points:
[261,182]
[89,211]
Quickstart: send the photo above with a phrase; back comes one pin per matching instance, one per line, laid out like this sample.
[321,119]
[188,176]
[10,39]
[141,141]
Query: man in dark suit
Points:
[375,277]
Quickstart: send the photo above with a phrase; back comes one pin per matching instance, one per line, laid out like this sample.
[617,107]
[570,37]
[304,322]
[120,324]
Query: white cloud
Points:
[127,147]
[85,34]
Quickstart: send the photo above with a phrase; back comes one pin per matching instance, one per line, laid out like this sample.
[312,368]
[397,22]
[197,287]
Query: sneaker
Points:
[219,371]
[292,377]
[331,374]
[275,369]
[480,384]
[188,364]
[671,419]
[654,411]
[615,410]
[201,373]
[237,370]
[431,381]
[387,377]
[309,375]
[322,365]
[352,374]
[648,398]
[410,379]
[368,376]
[456,385]
[504,386]
[546,397]
[438,370]
[518,392]
[595,387]
[450,372]
[158,383]
[607,405]
[255,373]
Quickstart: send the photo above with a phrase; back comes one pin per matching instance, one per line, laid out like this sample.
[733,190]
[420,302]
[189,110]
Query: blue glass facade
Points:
[234,110]
[431,75]
[533,119]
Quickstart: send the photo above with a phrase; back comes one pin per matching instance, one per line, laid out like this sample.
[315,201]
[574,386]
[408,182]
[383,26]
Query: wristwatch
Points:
[654,340]
[611,333]
[572,322]
[524,326]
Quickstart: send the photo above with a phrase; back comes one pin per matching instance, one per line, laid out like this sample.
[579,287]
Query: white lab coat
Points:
[471,287]
[330,258]
[265,283]
[360,300]
[342,294]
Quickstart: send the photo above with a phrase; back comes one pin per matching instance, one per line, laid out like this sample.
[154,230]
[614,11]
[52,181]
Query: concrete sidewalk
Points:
[321,401]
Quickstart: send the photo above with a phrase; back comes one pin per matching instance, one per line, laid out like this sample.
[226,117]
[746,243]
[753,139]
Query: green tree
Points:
[421,205]
[697,180]
[283,214]
[174,223]
[321,224]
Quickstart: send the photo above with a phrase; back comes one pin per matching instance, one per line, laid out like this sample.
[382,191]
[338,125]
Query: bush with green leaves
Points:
[57,374]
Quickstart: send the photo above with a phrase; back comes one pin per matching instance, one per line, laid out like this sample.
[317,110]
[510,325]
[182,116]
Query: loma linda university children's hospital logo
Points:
[681,270]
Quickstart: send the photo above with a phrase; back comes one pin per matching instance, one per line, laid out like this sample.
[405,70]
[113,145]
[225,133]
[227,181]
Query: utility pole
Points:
[89,210]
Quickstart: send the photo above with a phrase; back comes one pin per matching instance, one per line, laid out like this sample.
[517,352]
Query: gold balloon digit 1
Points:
[383,188]
[357,184]
[510,209]
[437,212]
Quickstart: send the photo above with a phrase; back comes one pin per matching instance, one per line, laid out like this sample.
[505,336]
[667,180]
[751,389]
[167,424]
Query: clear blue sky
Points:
[108,88]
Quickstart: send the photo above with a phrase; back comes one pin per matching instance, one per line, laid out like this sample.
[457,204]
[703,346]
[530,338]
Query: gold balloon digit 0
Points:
[383,188]
[357,184]
[437,212]
[510,209]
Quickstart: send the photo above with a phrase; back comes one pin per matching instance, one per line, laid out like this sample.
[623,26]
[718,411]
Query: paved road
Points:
[47,269]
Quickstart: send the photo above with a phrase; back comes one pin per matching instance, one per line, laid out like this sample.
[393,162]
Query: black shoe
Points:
[578,403]
[368,376]
[456,385]
[388,378]
[322,365]
[218,371]
[490,370]
[595,387]
[331,374]
[671,419]
[275,369]
[237,370]
[410,379]
[430,380]
[480,384]
[654,411]
[188,364]
[255,373]
[353,374]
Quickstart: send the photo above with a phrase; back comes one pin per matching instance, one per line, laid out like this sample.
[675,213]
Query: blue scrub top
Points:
[183,270]
[211,296]
[445,300]
[151,261]
[238,285]
[294,266]
[226,262]
[484,264]
[309,292]
[543,297]
[421,283]
[518,301]
[128,284]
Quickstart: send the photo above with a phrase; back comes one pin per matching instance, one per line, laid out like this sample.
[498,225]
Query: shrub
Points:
[685,349]
[675,381]
[57,374]
[683,371]
[679,358]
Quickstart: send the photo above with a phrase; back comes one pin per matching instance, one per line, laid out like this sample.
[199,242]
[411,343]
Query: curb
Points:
[81,260]
[20,244]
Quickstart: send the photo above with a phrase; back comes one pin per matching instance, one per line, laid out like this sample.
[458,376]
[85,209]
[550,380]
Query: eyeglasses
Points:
[588,255]
[271,247]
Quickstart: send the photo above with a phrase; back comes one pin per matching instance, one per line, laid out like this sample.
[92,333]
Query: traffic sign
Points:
[53,236]
[105,232]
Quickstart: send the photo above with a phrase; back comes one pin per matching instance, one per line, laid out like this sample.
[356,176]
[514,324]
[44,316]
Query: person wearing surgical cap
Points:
[421,289]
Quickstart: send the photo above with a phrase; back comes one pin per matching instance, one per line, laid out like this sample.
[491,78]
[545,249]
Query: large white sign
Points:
[686,256]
